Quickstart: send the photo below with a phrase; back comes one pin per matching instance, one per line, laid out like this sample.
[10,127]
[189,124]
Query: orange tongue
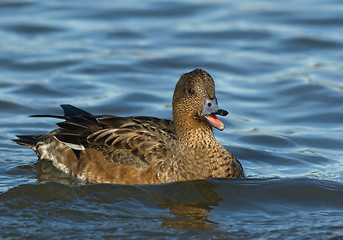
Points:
[215,122]
[213,119]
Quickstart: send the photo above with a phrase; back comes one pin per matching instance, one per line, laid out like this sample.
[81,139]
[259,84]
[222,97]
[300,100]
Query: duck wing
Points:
[133,141]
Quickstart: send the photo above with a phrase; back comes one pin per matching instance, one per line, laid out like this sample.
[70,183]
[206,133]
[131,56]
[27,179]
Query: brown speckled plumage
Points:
[142,150]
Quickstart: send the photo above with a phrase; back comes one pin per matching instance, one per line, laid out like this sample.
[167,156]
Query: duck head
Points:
[195,103]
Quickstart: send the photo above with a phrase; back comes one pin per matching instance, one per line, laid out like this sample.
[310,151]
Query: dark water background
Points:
[278,67]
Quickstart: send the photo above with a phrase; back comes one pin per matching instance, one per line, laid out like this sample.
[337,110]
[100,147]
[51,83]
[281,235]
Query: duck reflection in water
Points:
[189,205]
[193,213]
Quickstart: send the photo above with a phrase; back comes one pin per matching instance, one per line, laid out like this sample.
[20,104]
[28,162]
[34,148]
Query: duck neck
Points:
[197,138]
[202,156]
[192,132]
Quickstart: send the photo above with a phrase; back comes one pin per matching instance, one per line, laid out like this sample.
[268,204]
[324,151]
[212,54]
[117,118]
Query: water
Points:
[278,70]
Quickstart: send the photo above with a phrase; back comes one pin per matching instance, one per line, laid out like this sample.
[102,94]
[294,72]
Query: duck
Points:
[142,149]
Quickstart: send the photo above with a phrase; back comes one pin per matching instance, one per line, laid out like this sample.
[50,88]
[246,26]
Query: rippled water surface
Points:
[278,68]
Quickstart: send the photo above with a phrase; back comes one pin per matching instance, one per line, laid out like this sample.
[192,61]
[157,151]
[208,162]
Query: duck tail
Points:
[69,111]
[27,140]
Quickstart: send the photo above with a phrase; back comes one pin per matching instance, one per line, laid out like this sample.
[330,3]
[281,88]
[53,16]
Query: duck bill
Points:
[210,111]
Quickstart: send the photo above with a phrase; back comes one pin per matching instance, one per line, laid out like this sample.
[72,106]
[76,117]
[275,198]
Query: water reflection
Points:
[191,214]
[190,206]
[46,172]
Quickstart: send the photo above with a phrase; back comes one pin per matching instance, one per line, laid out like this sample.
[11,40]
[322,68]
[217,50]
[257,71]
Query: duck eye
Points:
[209,104]
[191,90]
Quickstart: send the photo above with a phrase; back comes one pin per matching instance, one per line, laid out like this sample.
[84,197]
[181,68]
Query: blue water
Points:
[278,68]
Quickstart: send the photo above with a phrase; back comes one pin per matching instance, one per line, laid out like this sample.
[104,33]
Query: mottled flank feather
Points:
[140,150]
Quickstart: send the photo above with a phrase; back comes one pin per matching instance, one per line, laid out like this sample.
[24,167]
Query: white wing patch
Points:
[79,147]
[75,146]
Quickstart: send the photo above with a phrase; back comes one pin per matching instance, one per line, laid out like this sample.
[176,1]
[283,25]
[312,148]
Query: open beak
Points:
[210,111]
